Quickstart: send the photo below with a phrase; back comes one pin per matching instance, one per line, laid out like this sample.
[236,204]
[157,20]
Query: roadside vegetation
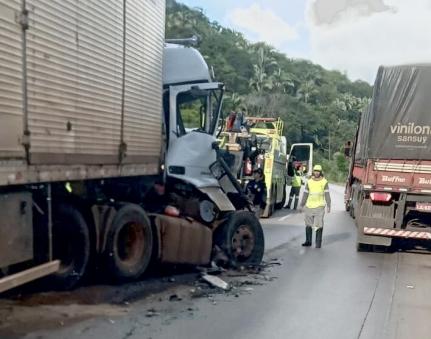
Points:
[317,105]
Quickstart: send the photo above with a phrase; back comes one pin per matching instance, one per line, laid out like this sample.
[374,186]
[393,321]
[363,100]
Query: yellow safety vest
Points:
[296,181]
[316,193]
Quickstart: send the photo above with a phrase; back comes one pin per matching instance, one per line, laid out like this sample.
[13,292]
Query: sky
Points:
[352,36]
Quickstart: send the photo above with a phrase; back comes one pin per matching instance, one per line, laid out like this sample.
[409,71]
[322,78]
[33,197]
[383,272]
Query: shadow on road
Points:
[337,237]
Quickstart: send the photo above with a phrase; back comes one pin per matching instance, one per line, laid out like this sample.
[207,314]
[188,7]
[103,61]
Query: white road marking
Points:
[285,217]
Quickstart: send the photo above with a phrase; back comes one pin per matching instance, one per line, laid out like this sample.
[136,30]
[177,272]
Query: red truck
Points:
[388,190]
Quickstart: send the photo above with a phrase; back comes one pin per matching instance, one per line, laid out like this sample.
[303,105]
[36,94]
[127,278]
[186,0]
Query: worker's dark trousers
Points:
[294,193]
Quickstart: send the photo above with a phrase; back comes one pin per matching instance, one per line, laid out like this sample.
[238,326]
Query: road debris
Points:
[197,292]
[175,297]
[214,269]
[152,313]
[215,281]
[410,286]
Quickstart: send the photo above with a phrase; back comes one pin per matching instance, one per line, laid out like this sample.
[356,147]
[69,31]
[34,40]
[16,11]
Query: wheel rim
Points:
[131,243]
[243,242]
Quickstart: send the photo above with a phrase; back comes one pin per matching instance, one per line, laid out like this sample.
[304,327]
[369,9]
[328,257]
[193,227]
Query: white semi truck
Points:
[94,108]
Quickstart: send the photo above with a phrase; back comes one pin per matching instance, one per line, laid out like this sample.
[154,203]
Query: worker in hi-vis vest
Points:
[295,188]
[316,197]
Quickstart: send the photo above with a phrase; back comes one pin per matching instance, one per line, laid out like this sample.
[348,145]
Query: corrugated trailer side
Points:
[145,62]
[93,72]
[11,77]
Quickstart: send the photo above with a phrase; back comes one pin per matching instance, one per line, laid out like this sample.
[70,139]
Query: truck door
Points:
[303,154]
[193,118]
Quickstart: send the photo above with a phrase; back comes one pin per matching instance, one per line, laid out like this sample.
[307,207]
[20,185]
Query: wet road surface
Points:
[332,292]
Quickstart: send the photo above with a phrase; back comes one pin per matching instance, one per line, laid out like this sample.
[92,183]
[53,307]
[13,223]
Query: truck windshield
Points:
[198,110]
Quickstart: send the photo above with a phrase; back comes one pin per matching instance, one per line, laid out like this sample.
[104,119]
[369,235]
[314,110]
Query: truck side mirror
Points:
[348,149]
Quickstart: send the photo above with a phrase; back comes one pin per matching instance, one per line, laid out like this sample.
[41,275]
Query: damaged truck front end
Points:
[215,222]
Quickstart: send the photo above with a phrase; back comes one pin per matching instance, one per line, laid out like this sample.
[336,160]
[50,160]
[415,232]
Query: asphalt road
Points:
[332,292]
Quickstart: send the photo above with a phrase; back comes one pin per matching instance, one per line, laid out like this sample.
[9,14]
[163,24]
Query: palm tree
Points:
[306,90]
[282,81]
[235,101]
[262,69]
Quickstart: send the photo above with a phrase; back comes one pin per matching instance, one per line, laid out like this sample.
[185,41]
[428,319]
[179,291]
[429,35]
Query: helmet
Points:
[317,168]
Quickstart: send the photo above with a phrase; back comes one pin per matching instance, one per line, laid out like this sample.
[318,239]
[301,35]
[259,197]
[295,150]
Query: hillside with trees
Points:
[317,105]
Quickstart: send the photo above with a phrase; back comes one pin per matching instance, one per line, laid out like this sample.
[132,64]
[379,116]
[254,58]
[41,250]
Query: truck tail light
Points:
[380,196]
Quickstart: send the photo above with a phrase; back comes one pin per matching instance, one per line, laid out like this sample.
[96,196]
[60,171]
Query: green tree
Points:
[317,105]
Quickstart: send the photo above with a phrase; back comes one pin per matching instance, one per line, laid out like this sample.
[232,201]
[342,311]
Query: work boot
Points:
[308,236]
[289,203]
[319,238]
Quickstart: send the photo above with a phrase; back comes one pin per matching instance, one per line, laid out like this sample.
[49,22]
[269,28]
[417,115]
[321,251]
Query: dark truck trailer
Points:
[388,191]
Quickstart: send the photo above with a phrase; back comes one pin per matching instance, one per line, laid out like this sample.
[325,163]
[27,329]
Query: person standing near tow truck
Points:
[256,191]
[295,188]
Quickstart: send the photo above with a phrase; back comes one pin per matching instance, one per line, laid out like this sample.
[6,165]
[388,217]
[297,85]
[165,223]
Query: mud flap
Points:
[372,240]
[371,215]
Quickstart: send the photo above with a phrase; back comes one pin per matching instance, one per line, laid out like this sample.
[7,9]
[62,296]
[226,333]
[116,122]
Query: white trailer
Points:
[92,106]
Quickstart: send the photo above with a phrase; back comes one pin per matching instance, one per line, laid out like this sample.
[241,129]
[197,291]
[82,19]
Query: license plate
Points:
[423,206]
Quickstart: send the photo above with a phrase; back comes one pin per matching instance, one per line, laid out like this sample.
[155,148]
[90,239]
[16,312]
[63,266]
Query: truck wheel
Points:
[347,206]
[129,244]
[280,205]
[71,245]
[361,247]
[352,210]
[272,205]
[242,239]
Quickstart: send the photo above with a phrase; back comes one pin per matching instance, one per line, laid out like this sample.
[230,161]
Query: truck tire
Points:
[352,210]
[280,205]
[241,237]
[71,245]
[347,206]
[361,247]
[129,244]
[272,204]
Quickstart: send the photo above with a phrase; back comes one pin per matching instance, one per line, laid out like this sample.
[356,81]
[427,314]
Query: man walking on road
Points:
[316,197]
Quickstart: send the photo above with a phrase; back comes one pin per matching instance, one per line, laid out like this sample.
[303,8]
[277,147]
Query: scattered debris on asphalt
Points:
[163,295]
[175,297]
[410,286]
[214,269]
[198,292]
[215,281]
[152,313]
